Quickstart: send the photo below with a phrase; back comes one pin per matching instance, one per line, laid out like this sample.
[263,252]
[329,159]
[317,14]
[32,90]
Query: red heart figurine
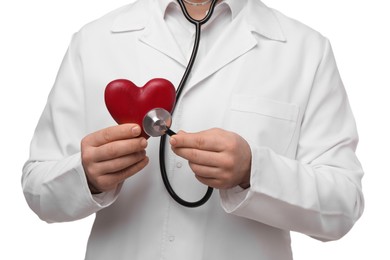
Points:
[128,103]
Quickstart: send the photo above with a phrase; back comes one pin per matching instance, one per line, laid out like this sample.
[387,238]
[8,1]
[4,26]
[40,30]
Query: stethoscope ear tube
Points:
[198,24]
[179,90]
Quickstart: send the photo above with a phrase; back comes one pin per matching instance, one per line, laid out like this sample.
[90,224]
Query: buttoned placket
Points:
[184,34]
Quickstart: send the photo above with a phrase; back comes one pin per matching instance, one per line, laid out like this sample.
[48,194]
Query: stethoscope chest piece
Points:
[157,122]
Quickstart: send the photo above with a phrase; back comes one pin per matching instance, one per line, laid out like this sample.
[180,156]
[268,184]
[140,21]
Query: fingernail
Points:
[136,130]
[144,143]
[172,141]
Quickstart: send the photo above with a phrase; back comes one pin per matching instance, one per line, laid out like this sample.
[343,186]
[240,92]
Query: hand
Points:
[219,159]
[112,155]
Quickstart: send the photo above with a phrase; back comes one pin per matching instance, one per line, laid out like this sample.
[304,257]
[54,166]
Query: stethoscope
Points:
[157,121]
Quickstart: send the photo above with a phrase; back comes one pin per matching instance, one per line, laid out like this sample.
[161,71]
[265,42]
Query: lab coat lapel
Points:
[238,39]
[158,36]
[234,42]
[142,16]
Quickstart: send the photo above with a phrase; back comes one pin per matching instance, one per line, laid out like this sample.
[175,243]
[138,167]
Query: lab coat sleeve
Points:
[54,182]
[318,192]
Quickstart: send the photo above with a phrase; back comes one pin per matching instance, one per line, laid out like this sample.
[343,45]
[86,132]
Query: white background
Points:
[34,38]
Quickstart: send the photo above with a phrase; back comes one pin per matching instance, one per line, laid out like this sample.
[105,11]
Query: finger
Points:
[214,183]
[122,175]
[117,164]
[110,181]
[119,149]
[204,171]
[208,141]
[212,176]
[203,157]
[113,133]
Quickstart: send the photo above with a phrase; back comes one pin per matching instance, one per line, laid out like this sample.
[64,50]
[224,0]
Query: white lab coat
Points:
[268,78]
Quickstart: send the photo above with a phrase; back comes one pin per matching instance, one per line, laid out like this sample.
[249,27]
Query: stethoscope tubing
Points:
[198,25]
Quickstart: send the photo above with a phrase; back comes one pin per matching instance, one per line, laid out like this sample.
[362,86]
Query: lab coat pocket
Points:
[262,121]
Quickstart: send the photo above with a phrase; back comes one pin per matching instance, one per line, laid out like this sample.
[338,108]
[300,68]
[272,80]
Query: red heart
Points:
[128,103]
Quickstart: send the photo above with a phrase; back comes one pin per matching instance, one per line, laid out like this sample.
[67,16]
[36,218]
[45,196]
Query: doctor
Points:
[264,117]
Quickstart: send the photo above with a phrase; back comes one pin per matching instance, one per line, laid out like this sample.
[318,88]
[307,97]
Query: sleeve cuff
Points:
[234,198]
[100,200]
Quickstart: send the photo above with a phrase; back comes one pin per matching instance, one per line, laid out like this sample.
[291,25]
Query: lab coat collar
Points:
[228,48]
[260,19]
[133,18]
[144,16]
[235,5]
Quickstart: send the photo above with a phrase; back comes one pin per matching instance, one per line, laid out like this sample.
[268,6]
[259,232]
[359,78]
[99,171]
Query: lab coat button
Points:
[171,238]
[179,165]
